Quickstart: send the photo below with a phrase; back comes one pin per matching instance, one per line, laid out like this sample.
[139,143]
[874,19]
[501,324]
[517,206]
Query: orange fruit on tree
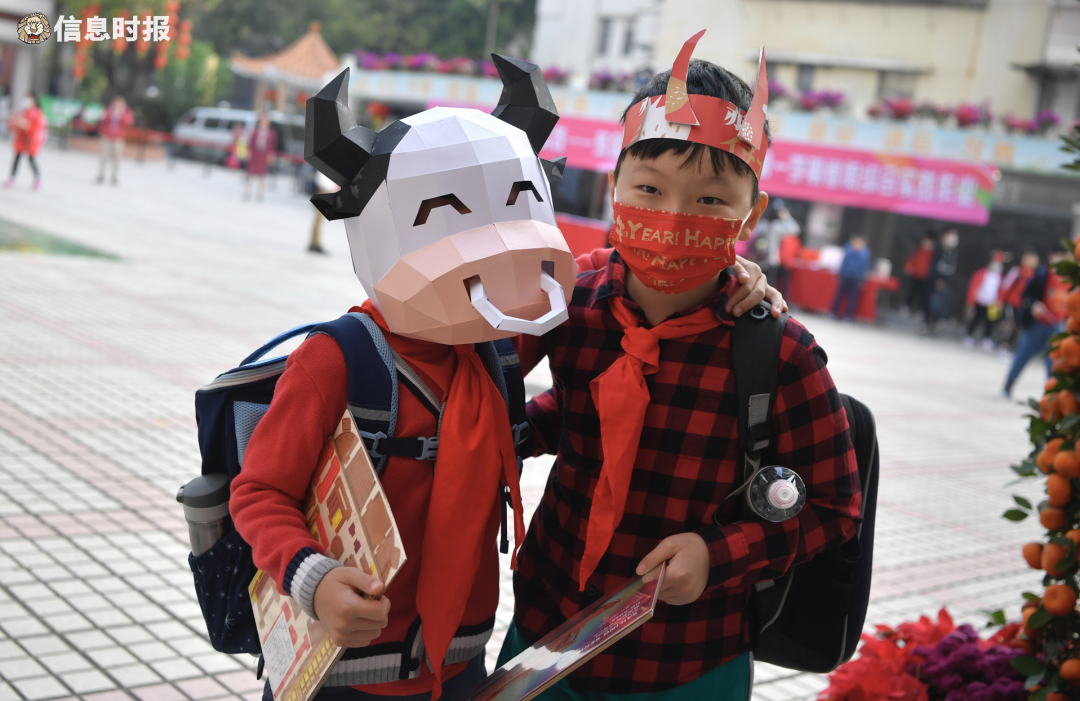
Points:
[1063,366]
[1045,460]
[1070,350]
[1066,403]
[1067,463]
[1025,646]
[1070,670]
[1056,696]
[1055,352]
[1074,536]
[1030,632]
[1072,301]
[1051,555]
[1045,407]
[1033,556]
[1052,519]
[1050,385]
[1072,324]
[1058,490]
[1059,600]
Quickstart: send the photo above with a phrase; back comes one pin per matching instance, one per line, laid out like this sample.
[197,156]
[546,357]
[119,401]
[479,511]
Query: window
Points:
[895,84]
[212,123]
[804,81]
[236,123]
[628,39]
[604,37]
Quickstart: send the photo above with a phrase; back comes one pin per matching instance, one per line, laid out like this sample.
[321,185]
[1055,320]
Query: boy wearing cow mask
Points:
[449,220]
[643,413]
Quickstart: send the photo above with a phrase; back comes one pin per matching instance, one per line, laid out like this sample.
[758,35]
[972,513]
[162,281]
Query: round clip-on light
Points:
[502,322]
[775,493]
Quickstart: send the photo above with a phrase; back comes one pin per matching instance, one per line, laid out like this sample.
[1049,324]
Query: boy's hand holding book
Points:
[687,573]
[347,601]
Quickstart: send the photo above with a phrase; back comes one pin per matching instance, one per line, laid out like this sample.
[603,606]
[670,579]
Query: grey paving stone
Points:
[15,668]
[111,657]
[134,675]
[87,682]
[43,644]
[40,688]
[64,662]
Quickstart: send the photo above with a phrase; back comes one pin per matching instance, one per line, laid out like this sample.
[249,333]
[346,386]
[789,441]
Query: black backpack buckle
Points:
[429,448]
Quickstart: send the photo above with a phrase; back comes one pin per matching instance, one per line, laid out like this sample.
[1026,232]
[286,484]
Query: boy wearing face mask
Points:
[642,415]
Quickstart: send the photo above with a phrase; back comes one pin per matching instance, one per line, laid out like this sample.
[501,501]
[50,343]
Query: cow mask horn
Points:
[340,149]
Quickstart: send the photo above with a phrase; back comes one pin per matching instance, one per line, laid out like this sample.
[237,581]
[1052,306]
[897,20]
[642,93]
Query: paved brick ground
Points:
[99,359]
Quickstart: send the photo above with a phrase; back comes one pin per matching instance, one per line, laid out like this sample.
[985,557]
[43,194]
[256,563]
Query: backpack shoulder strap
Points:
[504,366]
[374,372]
[755,355]
[513,382]
[373,385]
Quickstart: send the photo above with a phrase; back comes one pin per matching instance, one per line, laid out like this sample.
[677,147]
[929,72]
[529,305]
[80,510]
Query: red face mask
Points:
[673,251]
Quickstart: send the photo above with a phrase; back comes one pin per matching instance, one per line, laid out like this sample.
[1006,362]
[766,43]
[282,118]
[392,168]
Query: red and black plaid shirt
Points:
[687,462]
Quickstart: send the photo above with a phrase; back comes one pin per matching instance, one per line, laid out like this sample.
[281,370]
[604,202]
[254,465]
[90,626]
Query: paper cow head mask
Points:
[448,212]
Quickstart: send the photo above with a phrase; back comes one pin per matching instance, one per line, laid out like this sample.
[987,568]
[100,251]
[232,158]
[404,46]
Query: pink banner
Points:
[955,191]
[588,144]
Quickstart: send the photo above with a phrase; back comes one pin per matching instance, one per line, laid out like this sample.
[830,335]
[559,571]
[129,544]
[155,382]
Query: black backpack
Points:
[229,408]
[810,619]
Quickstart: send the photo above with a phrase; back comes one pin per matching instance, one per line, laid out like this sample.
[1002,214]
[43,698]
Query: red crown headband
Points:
[701,118]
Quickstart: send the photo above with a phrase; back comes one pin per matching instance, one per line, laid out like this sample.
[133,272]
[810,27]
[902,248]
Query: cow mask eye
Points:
[518,188]
[429,204]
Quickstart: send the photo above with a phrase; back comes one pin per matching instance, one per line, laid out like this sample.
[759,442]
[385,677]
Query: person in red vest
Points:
[1011,297]
[1043,315]
[29,129]
[917,268]
[262,145]
[114,127]
[982,301]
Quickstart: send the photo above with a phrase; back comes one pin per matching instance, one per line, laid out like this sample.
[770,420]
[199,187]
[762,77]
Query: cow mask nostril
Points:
[502,322]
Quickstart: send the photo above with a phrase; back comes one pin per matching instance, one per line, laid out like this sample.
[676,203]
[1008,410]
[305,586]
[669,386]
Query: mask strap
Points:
[746,218]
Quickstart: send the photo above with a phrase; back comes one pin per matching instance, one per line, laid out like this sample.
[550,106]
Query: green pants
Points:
[728,682]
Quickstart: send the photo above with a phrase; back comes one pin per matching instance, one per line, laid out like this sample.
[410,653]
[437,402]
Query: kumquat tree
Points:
[1050,633]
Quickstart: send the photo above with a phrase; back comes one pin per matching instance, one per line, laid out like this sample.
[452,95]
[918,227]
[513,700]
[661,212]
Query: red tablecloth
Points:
[814,291]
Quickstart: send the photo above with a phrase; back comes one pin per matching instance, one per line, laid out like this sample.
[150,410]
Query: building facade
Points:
[22,66]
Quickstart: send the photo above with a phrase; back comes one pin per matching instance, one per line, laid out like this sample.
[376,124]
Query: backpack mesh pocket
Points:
[222,576]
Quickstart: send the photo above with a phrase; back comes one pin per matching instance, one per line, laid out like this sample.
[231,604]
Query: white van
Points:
[206,133]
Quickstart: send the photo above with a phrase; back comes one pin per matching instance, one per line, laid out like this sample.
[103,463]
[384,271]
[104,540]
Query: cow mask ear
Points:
[336,146]
[525,101]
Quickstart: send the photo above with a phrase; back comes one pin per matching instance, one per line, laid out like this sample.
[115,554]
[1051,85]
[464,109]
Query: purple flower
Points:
[776,89]
[1008,690]
[1047,119]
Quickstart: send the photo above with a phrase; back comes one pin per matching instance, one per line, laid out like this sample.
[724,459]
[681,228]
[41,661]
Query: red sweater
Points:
[283,452]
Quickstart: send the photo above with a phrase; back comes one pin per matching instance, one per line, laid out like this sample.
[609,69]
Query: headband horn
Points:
[753,126]
[677,103]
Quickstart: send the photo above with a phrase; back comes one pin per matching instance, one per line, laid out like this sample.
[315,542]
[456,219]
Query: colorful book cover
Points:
[348,514]
[573,643]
